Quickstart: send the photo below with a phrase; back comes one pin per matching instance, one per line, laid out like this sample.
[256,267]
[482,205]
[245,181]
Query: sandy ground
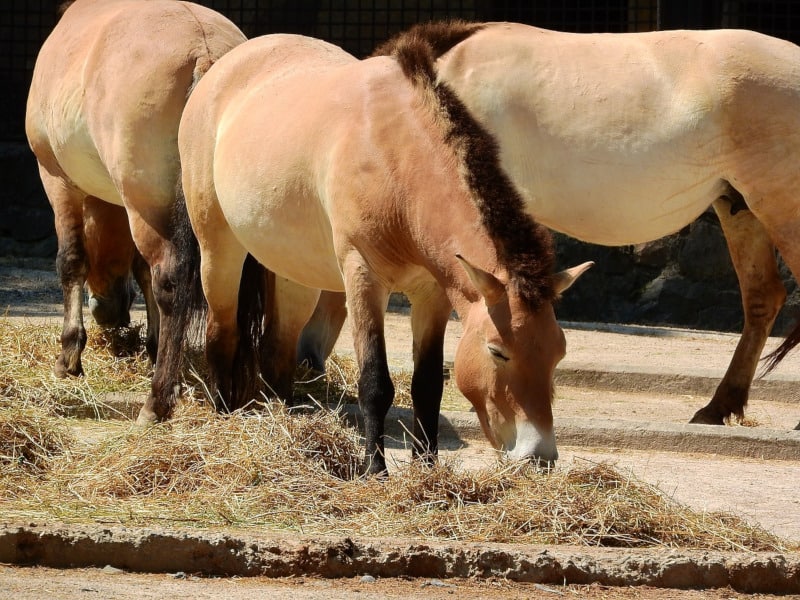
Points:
[36,583]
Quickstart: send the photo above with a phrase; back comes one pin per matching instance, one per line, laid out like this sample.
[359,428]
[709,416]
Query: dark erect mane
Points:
[439,36]
[524,247]
[63,7]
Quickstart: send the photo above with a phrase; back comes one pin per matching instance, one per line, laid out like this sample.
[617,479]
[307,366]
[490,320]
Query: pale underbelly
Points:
[618,215]
[80,161]
[298,248]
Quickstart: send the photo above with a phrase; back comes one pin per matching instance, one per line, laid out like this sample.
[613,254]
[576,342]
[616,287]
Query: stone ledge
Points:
[248,554]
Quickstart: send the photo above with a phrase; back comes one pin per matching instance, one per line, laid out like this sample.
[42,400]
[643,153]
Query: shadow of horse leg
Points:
[322,330]
[72,265]
[763,295]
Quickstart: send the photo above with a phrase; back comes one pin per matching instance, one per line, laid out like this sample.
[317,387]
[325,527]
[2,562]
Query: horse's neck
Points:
[450,230]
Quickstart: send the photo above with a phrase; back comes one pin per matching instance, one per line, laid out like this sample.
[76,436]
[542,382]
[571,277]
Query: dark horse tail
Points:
[774,358]
[189,309]
[256,300]
[189,306]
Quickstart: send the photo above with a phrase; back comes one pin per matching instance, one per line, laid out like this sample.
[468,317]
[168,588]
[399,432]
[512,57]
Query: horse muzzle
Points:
[113,308]
[533,444]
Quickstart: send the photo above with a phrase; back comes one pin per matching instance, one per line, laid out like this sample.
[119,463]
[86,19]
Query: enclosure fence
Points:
[359,25]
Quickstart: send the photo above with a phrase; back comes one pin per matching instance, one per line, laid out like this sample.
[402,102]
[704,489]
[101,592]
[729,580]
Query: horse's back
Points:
[108,88]
[261,103]
[589,125]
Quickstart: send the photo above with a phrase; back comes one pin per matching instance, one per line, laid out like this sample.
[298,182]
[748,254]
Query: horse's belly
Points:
[79,159]
[292,239]
[617,206]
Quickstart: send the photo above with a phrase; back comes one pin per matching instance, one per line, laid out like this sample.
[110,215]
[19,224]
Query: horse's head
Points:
[110,299]
[505,362]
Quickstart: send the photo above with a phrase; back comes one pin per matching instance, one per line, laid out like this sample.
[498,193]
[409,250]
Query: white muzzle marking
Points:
[532,443]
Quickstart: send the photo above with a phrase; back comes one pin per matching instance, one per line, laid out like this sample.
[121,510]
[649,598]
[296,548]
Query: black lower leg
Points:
[427,384]
[375,395]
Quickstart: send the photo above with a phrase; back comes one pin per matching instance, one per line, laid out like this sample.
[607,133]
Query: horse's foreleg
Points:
[72,265]
[293,305]
[429,315]
[141,272]
[763,294]
[367,299]
[322,330]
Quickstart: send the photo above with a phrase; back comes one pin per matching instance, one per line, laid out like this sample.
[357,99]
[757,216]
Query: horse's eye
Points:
[496,353]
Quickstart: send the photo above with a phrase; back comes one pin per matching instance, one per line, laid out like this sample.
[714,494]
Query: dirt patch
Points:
[37,582]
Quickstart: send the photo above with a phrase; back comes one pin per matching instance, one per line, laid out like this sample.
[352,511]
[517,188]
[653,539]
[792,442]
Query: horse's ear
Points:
[564,280]
[489,286]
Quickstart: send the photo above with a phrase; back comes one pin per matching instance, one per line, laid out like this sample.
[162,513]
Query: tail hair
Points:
[256,298]
[189,307]
[774,358]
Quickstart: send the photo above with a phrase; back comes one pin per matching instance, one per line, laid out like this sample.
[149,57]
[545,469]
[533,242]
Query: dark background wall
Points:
[685,279]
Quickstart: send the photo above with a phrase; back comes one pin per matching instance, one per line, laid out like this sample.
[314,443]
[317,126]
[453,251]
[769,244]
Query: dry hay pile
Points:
[112,363]
[30,439]
[277,470]
[271,469]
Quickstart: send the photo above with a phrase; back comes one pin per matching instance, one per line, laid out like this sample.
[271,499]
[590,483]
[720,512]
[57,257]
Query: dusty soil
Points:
[659,375]
[36,582]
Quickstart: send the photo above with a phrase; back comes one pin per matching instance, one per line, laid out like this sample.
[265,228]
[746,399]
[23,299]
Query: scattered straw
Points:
[297,471]
[29,439]
[28,352]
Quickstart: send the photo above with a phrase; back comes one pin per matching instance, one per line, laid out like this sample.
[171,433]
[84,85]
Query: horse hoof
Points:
[146,417]
[707,417]
[61,370]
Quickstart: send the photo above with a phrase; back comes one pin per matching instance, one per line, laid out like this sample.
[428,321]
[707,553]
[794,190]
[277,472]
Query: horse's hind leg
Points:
[322,330]
[763,295]
[293,305]
[221,272]
[141,272]
[72,265]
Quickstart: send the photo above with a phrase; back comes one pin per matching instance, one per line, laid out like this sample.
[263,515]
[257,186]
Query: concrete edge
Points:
[744,442]
[248,554]
[761,390]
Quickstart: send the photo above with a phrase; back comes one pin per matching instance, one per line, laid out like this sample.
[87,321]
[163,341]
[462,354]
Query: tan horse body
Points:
[624,138]
[335,174]
[108,90]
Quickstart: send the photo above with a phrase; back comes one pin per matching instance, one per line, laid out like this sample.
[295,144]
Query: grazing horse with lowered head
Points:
[108,89]
[619,139]
[367,177]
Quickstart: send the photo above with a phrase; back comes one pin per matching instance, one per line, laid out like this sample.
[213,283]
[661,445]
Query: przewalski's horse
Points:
[624,138]
[108,89]
[364,176]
